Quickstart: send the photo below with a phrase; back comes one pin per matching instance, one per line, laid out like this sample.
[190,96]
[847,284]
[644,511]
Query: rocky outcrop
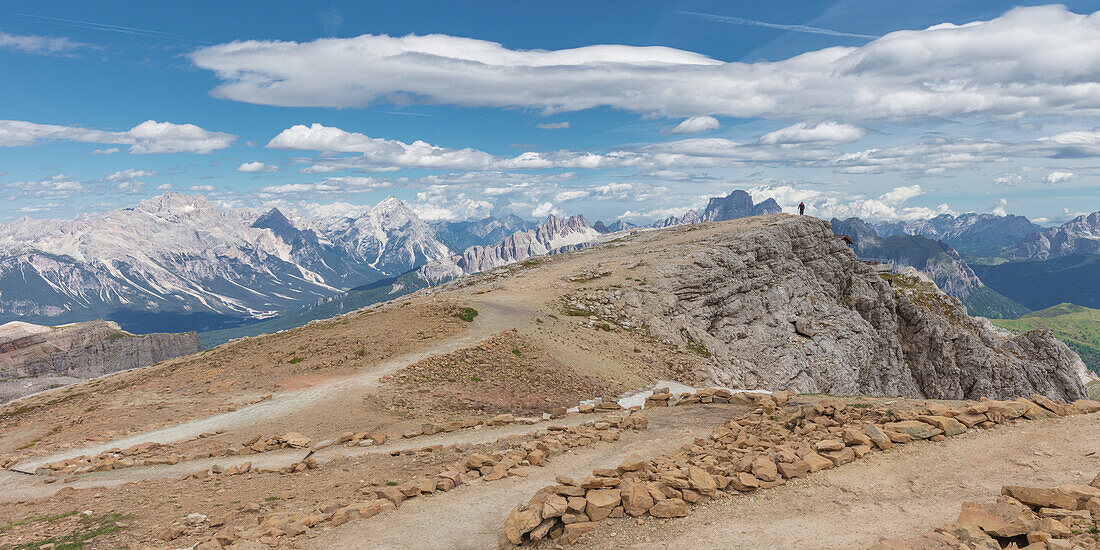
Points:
[35,360]
[553,236]
[1078,236]
[779,303]
[738,204]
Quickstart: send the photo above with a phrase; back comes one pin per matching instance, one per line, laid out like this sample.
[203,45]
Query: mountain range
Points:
[936,258]
[177,262]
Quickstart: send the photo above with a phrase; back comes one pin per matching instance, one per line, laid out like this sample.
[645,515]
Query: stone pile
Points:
[756,450]
[532,450]
[1029,518]
[113,459]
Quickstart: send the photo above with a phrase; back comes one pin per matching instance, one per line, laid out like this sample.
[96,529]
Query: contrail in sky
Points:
[106,27]
[794,28]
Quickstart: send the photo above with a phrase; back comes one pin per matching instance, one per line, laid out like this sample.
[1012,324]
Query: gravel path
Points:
[491,319]
[903,493]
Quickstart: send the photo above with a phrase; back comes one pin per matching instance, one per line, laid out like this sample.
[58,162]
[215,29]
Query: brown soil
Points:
[218,380]
[506,373]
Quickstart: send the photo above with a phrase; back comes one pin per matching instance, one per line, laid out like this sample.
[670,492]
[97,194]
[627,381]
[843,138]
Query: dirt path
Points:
[15,486]
[473,516]
[492,318]
[899,494]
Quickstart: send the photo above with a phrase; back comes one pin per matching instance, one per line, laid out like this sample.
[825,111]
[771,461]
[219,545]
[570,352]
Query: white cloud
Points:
[545,209]
[552,125]
[129,174]
[202,188]
[148,137]
[695,125]
[1031,60]
[108,151]
[1008,179]
[823,132]
[999,207]
[840,204]
[39,44]
[901,194]
[59,186]
[164,187]
[1058,176]
[257,168]
[299,188]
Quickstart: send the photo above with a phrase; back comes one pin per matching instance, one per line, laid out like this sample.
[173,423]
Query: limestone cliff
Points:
[778,303]
[34,357]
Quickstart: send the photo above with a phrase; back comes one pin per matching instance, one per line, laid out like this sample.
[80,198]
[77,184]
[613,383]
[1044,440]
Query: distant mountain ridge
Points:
[936,258]
[1080,235]
[971,234]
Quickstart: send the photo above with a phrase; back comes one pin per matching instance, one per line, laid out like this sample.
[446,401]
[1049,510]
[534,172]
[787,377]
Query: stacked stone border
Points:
[753,451]
[533,449]
[1030,518]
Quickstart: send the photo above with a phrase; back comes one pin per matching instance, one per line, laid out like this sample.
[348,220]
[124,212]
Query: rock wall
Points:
[81,351]
[781,304]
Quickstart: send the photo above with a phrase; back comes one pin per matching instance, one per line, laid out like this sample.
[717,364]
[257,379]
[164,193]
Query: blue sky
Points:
[856,107]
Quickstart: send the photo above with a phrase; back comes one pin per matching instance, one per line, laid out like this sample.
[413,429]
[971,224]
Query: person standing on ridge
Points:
[801,208]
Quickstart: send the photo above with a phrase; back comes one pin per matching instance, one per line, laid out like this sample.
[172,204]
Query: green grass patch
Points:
[1077,326]
[466,314]
[698,349]
[577,312]
[295,360]
[516,352]
[88,529]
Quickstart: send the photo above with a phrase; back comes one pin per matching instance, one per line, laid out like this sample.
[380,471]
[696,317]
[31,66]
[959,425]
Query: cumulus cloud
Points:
[825,203]
[202,188]
[43,45]
[1058,176]
[148,137]
[695,125]
[552,125]
[59,186]
[107,151]
[257,167]
[1031,60]
[299,188]
[1008,179]
[129,174]
[998,208]
[824,132]
[545,209]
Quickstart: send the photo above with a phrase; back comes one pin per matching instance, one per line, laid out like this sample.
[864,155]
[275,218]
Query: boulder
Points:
[575,531]
[295,439]
[792,470]
[1060,409]
[743,482]
[703,482]
[635,497]
[948,425]
[601,502]
[817,462]
[1039,497]
[1001,519]
[521,520]
[669,508]
[878,437]
[764,469]
[913,428]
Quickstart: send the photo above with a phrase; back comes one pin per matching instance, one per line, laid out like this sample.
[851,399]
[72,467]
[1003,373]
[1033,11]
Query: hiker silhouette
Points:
[801,208]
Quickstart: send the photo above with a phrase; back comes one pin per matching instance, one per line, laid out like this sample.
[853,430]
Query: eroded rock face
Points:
[34,360]
[741,296]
